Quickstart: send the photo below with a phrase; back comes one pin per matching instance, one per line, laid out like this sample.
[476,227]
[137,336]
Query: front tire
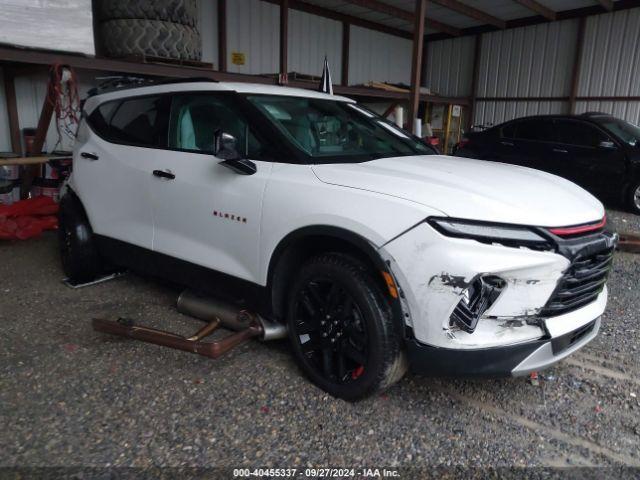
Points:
[633,197]
[80,259]
[342,330]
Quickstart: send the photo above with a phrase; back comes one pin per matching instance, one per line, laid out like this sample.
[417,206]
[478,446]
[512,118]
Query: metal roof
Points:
[441,11]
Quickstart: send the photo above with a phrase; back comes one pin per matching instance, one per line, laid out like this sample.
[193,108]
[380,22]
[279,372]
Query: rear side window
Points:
[139,121]
[535,130]
[579,133]
[508,131]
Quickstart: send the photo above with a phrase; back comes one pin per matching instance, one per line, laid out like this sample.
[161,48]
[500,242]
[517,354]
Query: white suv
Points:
[327,217]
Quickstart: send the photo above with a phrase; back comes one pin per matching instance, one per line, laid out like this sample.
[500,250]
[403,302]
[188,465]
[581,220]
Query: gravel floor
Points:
[72,397]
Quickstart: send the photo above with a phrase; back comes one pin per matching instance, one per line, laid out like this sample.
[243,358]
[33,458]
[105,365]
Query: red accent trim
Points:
[566,231]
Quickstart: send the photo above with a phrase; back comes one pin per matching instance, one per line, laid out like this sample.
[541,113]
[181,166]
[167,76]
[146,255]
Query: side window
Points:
[537,130]
[196,117]
[508,131]
[579,133]
[139,121]
[100,117]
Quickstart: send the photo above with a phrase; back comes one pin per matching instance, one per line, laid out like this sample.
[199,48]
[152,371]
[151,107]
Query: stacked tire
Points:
[149,28]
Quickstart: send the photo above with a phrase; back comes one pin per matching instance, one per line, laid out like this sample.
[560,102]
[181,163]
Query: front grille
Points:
[581,283]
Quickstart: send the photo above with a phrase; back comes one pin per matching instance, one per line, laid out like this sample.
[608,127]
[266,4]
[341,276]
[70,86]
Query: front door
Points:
[204,212]
[582,157]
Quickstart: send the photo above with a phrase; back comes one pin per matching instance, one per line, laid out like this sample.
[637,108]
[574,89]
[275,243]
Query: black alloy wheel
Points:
[341,328]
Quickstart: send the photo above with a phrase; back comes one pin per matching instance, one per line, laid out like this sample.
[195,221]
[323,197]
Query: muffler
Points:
[208,309]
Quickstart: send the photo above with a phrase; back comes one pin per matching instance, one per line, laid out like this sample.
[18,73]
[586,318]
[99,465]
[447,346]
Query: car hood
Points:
[471,189]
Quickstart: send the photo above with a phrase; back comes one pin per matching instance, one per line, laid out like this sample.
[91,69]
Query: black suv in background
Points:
[599,152]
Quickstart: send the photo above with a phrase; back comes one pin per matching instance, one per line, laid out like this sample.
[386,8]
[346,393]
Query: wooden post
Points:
[284,40]
[416,60]
[346,28]
[474,80]
[222,35]
[44,121]
[577,66]
[12,110]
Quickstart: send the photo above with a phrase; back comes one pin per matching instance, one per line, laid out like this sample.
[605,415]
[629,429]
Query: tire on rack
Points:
[342,329]
[80,258]
[152,38]
[632,195]
[184,12]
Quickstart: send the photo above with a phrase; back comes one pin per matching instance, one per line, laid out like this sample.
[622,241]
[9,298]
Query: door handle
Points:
[560,150]
[89,156]
[163,174]
[508,144]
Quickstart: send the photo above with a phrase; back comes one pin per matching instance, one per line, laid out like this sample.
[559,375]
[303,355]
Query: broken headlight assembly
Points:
[491,233]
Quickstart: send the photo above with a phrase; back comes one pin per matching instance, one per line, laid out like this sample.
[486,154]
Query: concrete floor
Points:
[72,397]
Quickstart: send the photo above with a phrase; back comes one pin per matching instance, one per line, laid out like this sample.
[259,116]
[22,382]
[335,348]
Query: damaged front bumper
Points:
[515,334]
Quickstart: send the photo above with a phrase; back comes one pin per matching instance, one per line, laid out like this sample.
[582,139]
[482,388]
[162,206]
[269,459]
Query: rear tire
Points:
[80,259]
[342,330]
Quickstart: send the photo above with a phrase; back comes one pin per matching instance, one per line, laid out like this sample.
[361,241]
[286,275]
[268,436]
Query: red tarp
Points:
[28,218]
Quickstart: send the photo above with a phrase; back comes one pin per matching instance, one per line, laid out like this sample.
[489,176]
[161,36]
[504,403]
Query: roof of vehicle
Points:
[188,85]
[588,116]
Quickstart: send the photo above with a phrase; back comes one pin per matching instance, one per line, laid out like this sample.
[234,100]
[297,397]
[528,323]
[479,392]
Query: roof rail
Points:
[123,82]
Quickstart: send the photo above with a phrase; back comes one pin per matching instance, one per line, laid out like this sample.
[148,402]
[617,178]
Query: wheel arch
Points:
[306,242]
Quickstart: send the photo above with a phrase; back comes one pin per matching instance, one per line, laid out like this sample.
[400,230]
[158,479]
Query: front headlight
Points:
[509,235]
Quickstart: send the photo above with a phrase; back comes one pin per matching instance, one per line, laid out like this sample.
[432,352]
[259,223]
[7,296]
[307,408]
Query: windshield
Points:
[627,132]
[331,131]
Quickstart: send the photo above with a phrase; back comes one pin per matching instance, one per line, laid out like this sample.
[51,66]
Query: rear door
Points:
[112,165]
[581,156]
[204,212]
[526,142]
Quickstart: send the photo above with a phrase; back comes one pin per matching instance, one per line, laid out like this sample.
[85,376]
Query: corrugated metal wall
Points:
[628,110]
[208,25]
[379,57]
[5,138]
[311,38]
[253,28]
[611,55]
[535,61]
[496,112]
[611,64]
[449,66]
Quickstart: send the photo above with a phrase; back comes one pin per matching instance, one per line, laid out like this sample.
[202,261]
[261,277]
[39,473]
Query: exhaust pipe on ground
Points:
[246,325]
[208,309]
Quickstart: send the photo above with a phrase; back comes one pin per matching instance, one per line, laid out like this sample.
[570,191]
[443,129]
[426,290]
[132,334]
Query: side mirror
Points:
[607,145]
[225,146]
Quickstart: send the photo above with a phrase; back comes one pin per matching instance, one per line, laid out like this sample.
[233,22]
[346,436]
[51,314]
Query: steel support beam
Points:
[537,7]
[606,4]
[222,35]
[471,12]
[396,12]
[416,60]
[12,110]
[284,40]
[342,17]
[346,34]
[477,56]
[577,65]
